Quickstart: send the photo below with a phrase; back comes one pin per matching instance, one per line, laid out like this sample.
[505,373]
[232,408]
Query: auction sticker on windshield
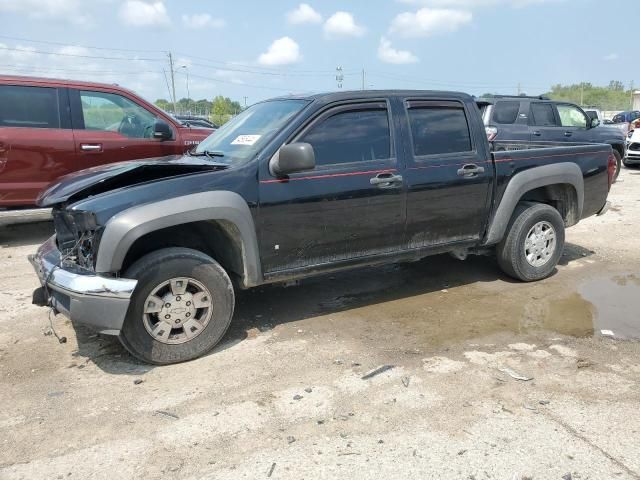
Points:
[246,139]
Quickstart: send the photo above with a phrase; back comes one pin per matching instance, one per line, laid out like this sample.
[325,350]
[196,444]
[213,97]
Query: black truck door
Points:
[448,174]
[349,207]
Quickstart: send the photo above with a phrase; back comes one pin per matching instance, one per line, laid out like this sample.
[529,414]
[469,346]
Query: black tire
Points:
[511,251]
[158,267]
[618,165]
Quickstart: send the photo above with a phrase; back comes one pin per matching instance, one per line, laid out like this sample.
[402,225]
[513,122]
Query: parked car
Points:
[510,120]
[198,122]
[49,128]
[625,120]
[633,148]
[594,113]
[296,187]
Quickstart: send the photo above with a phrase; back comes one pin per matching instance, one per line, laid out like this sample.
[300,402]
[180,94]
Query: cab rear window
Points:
[29,107]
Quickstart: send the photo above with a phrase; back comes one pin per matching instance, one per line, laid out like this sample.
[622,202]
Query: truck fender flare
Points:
[125,228]
[521,183]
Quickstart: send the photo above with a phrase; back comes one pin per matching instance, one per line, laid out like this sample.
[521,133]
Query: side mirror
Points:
[162,131]
[594,122]
[292,158]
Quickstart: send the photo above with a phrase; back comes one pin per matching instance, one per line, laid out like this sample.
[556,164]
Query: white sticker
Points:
[246,139]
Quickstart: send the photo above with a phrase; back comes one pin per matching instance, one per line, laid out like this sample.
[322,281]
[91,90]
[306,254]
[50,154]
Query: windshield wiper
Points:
[207,153]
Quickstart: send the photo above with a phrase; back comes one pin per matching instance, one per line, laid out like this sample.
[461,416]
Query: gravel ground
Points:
[284,395]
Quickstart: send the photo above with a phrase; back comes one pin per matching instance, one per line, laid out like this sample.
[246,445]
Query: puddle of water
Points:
[440,303]
[616,302]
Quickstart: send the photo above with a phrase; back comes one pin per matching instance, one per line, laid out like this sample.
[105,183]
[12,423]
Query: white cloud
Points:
[303,14]
[281,52]
[202,20]
[137,13]
[71,11]
[388,54]
[343,24]
[17,53]
[611,57]
[428,21]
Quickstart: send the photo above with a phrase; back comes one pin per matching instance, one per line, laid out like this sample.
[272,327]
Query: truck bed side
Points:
[573,179]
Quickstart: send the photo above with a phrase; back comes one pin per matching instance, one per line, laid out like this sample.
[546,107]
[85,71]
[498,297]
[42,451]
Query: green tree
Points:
[163,104]
[612,97]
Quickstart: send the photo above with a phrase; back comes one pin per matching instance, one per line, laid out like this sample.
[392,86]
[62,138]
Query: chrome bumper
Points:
[84,297]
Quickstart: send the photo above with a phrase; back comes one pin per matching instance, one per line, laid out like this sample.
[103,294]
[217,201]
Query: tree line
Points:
[613,97]
[219,110]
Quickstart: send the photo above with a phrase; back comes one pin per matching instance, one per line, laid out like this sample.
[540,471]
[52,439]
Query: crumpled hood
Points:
[93,181]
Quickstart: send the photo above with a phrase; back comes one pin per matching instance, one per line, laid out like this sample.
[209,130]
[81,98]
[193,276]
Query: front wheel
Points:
[533,243]
[181,307]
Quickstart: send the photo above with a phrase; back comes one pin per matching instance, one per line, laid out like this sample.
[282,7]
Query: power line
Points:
[254,67]
[40,52]
[47,42]
[71,70]
[217,80]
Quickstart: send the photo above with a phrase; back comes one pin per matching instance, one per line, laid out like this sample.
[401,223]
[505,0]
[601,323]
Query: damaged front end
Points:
[77,236]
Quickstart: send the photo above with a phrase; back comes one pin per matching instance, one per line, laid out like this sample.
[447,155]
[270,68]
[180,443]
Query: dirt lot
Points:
[284,396]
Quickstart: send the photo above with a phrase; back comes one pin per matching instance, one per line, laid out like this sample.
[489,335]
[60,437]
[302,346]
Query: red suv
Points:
[49,128]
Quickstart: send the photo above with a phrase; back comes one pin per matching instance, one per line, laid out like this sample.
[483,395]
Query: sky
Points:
[252,50]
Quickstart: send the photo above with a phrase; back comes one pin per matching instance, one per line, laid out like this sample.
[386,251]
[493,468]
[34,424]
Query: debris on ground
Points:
[273,467]
[308,390]
[297,397]
[584,363]
[607,333]
[514,374]
[291,439]
[567,476]
[405,381]
[377,371]
[167,414]
[544,402]
[138,381]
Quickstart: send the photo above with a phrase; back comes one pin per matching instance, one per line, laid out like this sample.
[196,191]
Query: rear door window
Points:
[437,130]
[506,113]
[29,107]
[542,115]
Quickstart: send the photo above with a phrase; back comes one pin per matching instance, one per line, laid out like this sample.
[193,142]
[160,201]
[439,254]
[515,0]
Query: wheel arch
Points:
[560,185]
[219,223]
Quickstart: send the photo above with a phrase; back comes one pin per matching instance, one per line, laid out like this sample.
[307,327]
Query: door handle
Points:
[91,147]
[470,170]
[386,180]
[567,134]
[537,133]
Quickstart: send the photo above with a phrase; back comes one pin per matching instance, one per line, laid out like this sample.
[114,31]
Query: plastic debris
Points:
[514,374]
[607,333]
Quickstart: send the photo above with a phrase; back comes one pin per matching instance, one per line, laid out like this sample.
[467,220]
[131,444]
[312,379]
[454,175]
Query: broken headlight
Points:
[77,236]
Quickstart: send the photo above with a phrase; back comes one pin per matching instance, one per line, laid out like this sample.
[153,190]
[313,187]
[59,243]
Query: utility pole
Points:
[631,88]
[245,101]
[363,80]
[339,76]
[581,94]
[173,83]
[519,89]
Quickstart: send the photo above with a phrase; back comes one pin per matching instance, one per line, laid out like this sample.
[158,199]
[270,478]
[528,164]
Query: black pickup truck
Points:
[153,250]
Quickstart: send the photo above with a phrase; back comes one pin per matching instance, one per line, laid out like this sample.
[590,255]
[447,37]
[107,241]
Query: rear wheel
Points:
[618,165]
[181,307]
[533,244]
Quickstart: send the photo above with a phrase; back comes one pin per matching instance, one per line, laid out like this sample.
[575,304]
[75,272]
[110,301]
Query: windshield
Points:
[242,137]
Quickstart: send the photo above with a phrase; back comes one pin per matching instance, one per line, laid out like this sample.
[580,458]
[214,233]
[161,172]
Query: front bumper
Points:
[86,298]
[633,157]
